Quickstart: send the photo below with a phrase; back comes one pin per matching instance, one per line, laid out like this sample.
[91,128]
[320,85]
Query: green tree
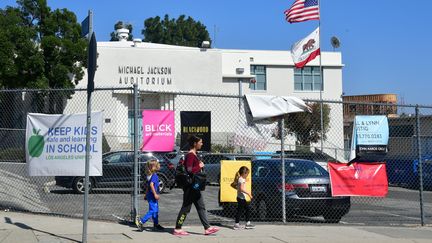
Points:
[120,25]
[307,126]
[21,64]
[41,48]
[182,31]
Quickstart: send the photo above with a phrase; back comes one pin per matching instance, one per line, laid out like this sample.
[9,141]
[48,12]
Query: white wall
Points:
[201,71]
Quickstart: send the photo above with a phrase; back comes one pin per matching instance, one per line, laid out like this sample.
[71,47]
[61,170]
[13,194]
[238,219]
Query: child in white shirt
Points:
[242,193]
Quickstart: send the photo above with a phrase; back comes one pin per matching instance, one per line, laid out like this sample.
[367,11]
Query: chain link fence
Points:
[307,142]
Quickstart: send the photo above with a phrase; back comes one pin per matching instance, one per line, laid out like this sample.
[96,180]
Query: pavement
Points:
[26,227]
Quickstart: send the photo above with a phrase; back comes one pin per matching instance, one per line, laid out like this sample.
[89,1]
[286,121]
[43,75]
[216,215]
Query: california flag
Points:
[306,49]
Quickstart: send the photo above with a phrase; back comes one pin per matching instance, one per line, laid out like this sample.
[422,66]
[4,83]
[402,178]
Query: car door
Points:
[117,169]
[212,166]
[260,175]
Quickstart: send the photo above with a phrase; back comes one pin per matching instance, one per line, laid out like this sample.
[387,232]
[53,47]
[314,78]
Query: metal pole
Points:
[420,165]
[87,168]
[282,123]
[240,103]
[240,92]
[321,118]
[90,14]
[136,141]
[87,157]
[322,78]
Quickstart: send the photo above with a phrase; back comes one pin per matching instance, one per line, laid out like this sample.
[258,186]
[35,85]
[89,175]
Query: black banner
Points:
[196,123]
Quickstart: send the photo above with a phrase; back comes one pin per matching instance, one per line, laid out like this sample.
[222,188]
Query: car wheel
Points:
[262,210]
[78,185]
[162,183]
[332,217]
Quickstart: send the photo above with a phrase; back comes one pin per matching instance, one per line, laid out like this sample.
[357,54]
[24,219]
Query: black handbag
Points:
[182,177]
[199,181]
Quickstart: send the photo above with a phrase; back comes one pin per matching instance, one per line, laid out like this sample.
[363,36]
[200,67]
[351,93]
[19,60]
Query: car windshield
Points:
[304,168]
[119,157]
[295,168]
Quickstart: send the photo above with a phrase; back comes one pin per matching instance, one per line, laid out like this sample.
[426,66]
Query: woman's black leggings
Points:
[192,196]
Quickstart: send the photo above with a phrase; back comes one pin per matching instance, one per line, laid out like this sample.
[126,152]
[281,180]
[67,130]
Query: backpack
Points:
[182,177]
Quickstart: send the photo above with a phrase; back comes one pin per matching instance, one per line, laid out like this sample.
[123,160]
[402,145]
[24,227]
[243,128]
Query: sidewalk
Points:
[22,227]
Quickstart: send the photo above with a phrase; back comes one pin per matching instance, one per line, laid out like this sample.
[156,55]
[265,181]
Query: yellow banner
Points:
[229,169]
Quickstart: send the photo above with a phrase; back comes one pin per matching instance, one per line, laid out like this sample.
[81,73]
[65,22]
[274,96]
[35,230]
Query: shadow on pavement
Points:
[292,219]
[26,227]
[93,191]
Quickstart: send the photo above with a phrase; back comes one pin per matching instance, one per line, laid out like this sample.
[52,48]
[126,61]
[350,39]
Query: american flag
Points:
[302,10]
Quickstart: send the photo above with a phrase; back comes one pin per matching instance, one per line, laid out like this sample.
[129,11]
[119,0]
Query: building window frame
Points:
[260,72]
[308,79]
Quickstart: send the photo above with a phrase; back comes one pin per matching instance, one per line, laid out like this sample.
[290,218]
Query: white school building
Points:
[166,68]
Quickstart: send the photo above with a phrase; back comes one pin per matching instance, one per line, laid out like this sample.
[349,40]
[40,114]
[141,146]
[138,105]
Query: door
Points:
[117,169]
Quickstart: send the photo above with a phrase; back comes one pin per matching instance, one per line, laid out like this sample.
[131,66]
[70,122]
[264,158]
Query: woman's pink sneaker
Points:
[211,230]
[180,233]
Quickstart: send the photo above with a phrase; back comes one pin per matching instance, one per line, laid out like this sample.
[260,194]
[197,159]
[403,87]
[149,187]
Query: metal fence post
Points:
[282,123]
[240,93]
[87,156]
[420,164]
[135,148]
[321,122]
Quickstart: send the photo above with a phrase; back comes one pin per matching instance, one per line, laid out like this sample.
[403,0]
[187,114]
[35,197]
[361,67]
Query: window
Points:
[261,171]
[260,78]
[146,157]
[131,125]
[214,159]
[120,157]
[307,79]
[304,169]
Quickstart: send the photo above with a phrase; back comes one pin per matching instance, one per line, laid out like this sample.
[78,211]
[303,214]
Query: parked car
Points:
[173,157]
[405,172]
[307,191]
[117,170]
[212,164]
[319,158]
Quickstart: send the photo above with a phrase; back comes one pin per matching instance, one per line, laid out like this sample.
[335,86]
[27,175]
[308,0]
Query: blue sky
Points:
[386,45]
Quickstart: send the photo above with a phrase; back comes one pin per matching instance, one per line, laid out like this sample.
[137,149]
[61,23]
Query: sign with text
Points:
[158,131]
[56,144]
[229,169]
[196,123]
[367,179]
[370,135]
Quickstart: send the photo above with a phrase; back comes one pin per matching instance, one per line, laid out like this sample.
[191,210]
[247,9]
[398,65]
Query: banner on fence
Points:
[158,130]
[358,179]
[56,144]
[267,106]
[370,136]
[196,123]
[229,169]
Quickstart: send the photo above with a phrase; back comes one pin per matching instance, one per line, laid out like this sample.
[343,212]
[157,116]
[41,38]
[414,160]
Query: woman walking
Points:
[193,196]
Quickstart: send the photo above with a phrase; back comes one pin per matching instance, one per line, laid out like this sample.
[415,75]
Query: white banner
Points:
[55,144]
[266,106]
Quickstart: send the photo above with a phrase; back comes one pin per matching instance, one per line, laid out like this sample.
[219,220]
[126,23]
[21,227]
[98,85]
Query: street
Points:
[40,195]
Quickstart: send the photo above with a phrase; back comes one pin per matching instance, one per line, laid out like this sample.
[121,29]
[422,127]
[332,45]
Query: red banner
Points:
[358,179]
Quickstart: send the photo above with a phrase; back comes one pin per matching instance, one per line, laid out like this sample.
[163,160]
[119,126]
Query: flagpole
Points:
[321,76]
